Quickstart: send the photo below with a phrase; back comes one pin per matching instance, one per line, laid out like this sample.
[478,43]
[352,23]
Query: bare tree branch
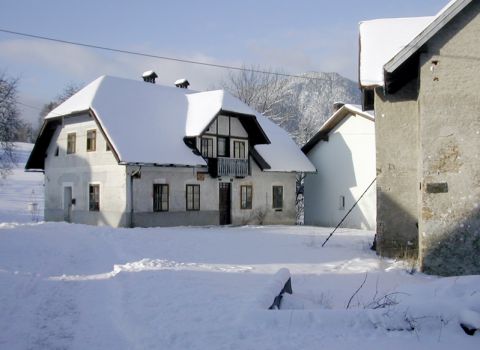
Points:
[358,290]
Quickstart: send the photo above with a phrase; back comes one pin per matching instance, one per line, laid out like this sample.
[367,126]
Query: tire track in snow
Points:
[154,265]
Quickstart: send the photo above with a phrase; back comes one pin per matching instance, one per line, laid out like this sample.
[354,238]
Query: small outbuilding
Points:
[343,151]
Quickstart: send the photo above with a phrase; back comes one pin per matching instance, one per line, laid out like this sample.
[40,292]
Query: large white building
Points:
[343,151]
[129,153]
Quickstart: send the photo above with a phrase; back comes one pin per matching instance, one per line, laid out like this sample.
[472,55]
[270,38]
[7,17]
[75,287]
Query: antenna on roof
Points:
[149,76]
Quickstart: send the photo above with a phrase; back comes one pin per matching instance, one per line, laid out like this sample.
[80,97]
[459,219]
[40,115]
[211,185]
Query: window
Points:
[94,197]
[246,197]
[277,197]
[193,197]
[57,150]
[222,147]
[91,140]
[71,141]
[341,203]
[207,147]
[160,197]
[239,149]
[108,148]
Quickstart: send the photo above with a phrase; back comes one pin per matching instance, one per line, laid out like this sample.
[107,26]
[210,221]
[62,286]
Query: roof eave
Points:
[331,123]
[437,24]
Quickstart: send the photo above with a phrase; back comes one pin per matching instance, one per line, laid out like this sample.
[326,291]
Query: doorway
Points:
[67,203]
[224,203]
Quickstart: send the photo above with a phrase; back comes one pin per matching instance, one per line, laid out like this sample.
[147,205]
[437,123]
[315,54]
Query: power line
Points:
[143,54]
[29,106]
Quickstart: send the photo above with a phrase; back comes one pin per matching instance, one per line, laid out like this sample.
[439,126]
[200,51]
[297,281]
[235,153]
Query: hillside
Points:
[309,102]
[299,104]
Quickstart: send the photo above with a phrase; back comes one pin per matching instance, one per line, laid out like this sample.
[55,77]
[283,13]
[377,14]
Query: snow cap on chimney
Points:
[337,106]
[149,76]
[182,83]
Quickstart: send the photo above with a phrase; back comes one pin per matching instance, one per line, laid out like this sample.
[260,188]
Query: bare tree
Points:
[262,91]
[69,90]
[9,123]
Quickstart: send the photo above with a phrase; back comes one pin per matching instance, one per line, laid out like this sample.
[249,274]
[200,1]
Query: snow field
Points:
[76,287]
[65,286]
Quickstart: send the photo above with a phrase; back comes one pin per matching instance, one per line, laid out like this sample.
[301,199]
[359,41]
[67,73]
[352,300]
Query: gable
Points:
[153,124]
[390,48]
[333,122]
[382,39]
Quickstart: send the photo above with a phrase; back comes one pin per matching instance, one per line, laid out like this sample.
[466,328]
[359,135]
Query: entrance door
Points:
[224,199]
[67,203]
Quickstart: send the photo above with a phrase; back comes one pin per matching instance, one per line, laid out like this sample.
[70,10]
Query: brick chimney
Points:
[337,106]
[182,83]
[149,76]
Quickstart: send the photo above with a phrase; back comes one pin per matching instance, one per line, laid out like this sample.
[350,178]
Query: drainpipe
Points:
[134,174]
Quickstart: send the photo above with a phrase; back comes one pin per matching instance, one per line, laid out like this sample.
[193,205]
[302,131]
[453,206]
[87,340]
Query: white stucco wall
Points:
[346,166]
[80,169]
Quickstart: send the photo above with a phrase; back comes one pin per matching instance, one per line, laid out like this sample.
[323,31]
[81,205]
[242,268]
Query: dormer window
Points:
[207,147]
[239,149]
[222,147]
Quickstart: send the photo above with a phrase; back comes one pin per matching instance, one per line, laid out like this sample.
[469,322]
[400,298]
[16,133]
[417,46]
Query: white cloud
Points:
[73,63]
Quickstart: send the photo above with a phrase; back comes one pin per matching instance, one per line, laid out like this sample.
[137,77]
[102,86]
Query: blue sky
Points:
[292,36]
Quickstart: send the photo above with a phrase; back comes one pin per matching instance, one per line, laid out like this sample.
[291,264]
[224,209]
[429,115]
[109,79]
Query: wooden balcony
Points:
[228,167]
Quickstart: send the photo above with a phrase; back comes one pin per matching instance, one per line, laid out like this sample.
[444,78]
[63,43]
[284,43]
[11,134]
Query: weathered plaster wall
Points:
[177,215]
[178,178]
[450,148]
[80,169]
[346,166]
[396,130]
[262,212]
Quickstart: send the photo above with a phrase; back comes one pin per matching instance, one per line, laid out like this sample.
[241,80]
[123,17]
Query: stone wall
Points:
[450,148]
[396,129]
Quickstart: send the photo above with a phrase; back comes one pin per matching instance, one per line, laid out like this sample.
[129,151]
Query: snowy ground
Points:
[20,189]
[65,286]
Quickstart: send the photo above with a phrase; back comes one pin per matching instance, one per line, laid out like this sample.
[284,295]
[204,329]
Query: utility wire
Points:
[143,54]
[358,200]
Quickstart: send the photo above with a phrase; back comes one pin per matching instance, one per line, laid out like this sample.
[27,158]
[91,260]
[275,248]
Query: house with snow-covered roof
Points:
[130,153]
[343,151]
[422,77]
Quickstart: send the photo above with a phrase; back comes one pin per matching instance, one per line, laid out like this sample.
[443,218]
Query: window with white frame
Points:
[71,142]
[239,149]
[277,200]
[246,196]
[193,197]
[93,197]
[341,203]
[160,197]
[91,140]
[207,147]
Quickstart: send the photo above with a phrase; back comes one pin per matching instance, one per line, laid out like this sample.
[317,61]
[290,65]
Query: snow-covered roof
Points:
[334,120]
[381,40]
[203,106]
[282,154]
[437,23]
[147,123]
[387,43]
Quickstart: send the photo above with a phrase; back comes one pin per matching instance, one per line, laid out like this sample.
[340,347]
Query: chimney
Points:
[149,76]
[337,106]
[182,83]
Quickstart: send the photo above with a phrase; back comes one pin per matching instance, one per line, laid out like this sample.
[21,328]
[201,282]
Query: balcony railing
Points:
[228,167]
